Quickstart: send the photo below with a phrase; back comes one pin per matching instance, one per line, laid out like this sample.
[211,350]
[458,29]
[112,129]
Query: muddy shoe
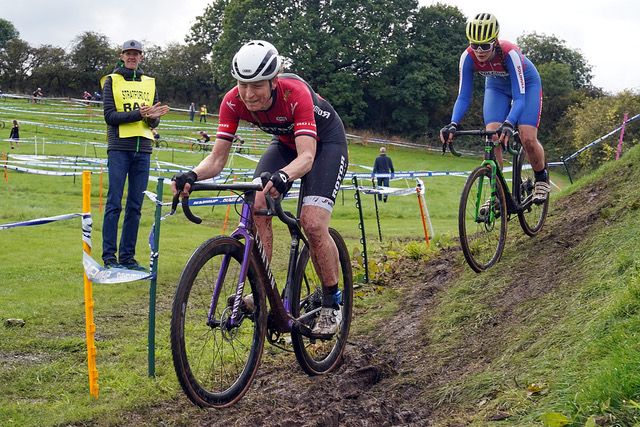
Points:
[485,208]
[246,305]
[540,192]
[328,322]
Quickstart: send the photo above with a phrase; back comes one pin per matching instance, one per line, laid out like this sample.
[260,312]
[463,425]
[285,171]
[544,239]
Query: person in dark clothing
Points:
[15,134]
[192,111]
[383,164]
[131,110]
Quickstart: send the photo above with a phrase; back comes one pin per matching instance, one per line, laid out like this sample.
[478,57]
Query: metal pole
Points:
[152,286]
[375,201]
[363,239]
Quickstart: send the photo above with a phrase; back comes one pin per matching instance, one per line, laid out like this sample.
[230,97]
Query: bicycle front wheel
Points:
[318,356]
[215,357]
[532,218]
[482,225]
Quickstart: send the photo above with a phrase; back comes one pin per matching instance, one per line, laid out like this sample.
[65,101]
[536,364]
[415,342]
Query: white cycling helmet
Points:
[256,60]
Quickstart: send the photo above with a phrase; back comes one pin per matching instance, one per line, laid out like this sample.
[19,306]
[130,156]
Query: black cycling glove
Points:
[183,178]
[447,130]
[280,181]
[506,129]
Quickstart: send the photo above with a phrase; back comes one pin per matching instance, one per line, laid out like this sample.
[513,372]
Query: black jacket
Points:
[114,118]
[383,164]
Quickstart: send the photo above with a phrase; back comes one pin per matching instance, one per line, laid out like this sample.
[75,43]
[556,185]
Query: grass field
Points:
[43,374]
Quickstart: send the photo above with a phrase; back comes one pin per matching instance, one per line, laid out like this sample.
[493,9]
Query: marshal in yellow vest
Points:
[128,96]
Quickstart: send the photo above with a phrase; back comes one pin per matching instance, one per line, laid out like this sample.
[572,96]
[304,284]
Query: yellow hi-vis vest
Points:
[128,96]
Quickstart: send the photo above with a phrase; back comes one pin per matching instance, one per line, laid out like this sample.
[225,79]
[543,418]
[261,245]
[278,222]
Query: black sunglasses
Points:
[482,46]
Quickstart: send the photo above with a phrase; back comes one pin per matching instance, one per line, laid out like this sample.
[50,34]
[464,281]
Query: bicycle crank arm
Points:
[302,328]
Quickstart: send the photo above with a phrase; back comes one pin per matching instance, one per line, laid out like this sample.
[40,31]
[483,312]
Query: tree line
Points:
[389,67]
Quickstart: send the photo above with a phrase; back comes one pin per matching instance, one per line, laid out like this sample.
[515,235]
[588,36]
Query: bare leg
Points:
[497,150]
[533,148]
[324,253]
[263,224]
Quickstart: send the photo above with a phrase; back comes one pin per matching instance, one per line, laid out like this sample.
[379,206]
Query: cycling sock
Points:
[330,296]
[541,175]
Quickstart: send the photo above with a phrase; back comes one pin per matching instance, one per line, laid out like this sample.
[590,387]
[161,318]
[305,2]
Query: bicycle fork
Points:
[491,216]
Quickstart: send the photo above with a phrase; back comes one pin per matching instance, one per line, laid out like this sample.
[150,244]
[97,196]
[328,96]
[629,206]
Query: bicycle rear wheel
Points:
[317,356]
[215,361]
[533,217]
[483,229]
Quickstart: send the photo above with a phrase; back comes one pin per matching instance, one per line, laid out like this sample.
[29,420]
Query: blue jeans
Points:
[136,166]
[383,182]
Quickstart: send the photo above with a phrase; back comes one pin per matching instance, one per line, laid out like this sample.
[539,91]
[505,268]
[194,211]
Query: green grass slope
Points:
[551,333]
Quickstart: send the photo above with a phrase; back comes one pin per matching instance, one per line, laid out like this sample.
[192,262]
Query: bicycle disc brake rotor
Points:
[229,332]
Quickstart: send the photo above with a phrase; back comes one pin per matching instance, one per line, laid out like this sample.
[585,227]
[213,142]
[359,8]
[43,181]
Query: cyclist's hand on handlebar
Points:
[446,133]
[505,132]
[275,184]
[181,183]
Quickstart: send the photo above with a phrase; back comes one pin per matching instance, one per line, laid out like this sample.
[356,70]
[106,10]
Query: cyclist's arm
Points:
[213,164]
[306,148]
[465,88]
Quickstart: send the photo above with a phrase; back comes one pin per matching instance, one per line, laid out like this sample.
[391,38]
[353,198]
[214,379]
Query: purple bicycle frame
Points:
[282,308]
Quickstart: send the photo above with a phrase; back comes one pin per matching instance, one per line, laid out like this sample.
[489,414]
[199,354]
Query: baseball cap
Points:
[132,45]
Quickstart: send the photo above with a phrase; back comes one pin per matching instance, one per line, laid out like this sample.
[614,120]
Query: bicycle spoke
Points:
[482,221]
[314,355]
[215,363]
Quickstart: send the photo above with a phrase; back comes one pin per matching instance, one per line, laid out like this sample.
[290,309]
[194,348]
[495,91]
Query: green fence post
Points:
[152,286]
[363,239]
[566,168]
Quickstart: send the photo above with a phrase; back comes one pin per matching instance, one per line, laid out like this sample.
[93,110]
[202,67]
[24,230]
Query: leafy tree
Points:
[542,49]
[183,73]
[338,46]
[421,86]
[594,118]
[51,70]
[15,65]
[7,32]
[92,56]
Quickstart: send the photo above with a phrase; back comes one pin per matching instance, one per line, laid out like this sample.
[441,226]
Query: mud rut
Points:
[386,378]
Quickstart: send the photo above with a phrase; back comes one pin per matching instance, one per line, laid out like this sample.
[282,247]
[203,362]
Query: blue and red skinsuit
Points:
[519,83]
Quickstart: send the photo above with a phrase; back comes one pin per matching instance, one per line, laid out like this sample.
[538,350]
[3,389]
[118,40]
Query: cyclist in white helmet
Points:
[309,142]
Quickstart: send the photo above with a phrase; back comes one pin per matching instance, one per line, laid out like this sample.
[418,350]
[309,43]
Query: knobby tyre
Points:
[482,231]
[214,361]
[317,356]
[533,217]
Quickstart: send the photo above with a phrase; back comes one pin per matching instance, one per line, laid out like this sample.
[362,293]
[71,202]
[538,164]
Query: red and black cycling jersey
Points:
[296,110]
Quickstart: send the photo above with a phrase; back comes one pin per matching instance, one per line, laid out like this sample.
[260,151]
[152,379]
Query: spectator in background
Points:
[203,113]
[15,134]
[131,110]
[192,111]
[383,164]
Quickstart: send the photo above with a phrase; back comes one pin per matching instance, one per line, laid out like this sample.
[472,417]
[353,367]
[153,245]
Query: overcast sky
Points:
[603,31]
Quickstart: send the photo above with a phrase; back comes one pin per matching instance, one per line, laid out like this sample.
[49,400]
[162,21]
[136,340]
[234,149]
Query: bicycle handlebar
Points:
[480,132]
[274,206]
